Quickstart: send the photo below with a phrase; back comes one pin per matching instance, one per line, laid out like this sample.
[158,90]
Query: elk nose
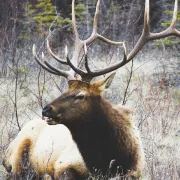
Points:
[47,110]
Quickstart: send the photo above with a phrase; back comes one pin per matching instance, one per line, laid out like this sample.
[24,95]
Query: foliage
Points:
[170,41]
[168,22]
[41,16]
[80,11]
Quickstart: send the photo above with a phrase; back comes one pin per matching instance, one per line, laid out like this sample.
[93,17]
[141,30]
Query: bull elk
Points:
[103,133]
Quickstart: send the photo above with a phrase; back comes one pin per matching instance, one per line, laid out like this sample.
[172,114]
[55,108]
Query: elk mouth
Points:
[52,121]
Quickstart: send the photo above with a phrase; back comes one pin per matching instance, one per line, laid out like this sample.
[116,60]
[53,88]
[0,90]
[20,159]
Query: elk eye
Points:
[79,98]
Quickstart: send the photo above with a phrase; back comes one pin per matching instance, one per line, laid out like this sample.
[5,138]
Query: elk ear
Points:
[70,82]
[105,83]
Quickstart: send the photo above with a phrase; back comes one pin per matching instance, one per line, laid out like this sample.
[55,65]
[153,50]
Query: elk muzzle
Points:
[50,112]
[47,111]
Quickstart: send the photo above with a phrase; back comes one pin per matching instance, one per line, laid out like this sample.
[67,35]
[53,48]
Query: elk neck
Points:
[96,134]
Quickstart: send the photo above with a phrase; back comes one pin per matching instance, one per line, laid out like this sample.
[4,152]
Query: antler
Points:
[147,35]
[51,68]
[79,44]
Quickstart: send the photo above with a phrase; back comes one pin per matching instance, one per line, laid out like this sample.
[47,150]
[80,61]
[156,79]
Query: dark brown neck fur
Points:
[103,137]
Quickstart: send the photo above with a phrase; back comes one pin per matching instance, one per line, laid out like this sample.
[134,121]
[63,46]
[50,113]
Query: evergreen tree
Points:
[43,15]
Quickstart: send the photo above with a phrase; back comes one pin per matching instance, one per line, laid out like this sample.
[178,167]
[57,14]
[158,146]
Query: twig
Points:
[39,88]
[128,83]
[131,73]
[15,98]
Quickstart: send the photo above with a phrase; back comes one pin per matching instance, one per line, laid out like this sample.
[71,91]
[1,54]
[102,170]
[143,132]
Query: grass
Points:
[156,109]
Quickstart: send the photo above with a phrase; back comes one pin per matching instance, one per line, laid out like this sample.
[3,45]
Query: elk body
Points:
[49,151]
[102,132]
[106,136]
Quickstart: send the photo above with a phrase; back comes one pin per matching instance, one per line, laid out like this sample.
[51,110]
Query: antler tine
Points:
[73,63]
[51,68]
[144,36]
[175,13]
[96,17]
[40,63]
[77,70]
[175,18]
[86,59]
[95,35]
[60,72]
[91,74]
[74,23]
[54,56]
[146,29]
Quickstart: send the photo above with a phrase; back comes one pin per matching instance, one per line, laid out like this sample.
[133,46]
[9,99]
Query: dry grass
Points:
[156,105]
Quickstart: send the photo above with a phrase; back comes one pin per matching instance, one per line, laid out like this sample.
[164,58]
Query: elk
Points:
[43,151]
[103,133]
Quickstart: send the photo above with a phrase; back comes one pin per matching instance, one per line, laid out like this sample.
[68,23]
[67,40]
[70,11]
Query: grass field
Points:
[153,94]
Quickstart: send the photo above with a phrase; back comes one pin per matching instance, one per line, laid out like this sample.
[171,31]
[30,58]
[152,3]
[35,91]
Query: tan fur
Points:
[51,149]
[128,128]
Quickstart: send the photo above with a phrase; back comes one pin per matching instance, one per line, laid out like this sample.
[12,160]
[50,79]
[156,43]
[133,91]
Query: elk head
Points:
[76,103]
[82,95]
